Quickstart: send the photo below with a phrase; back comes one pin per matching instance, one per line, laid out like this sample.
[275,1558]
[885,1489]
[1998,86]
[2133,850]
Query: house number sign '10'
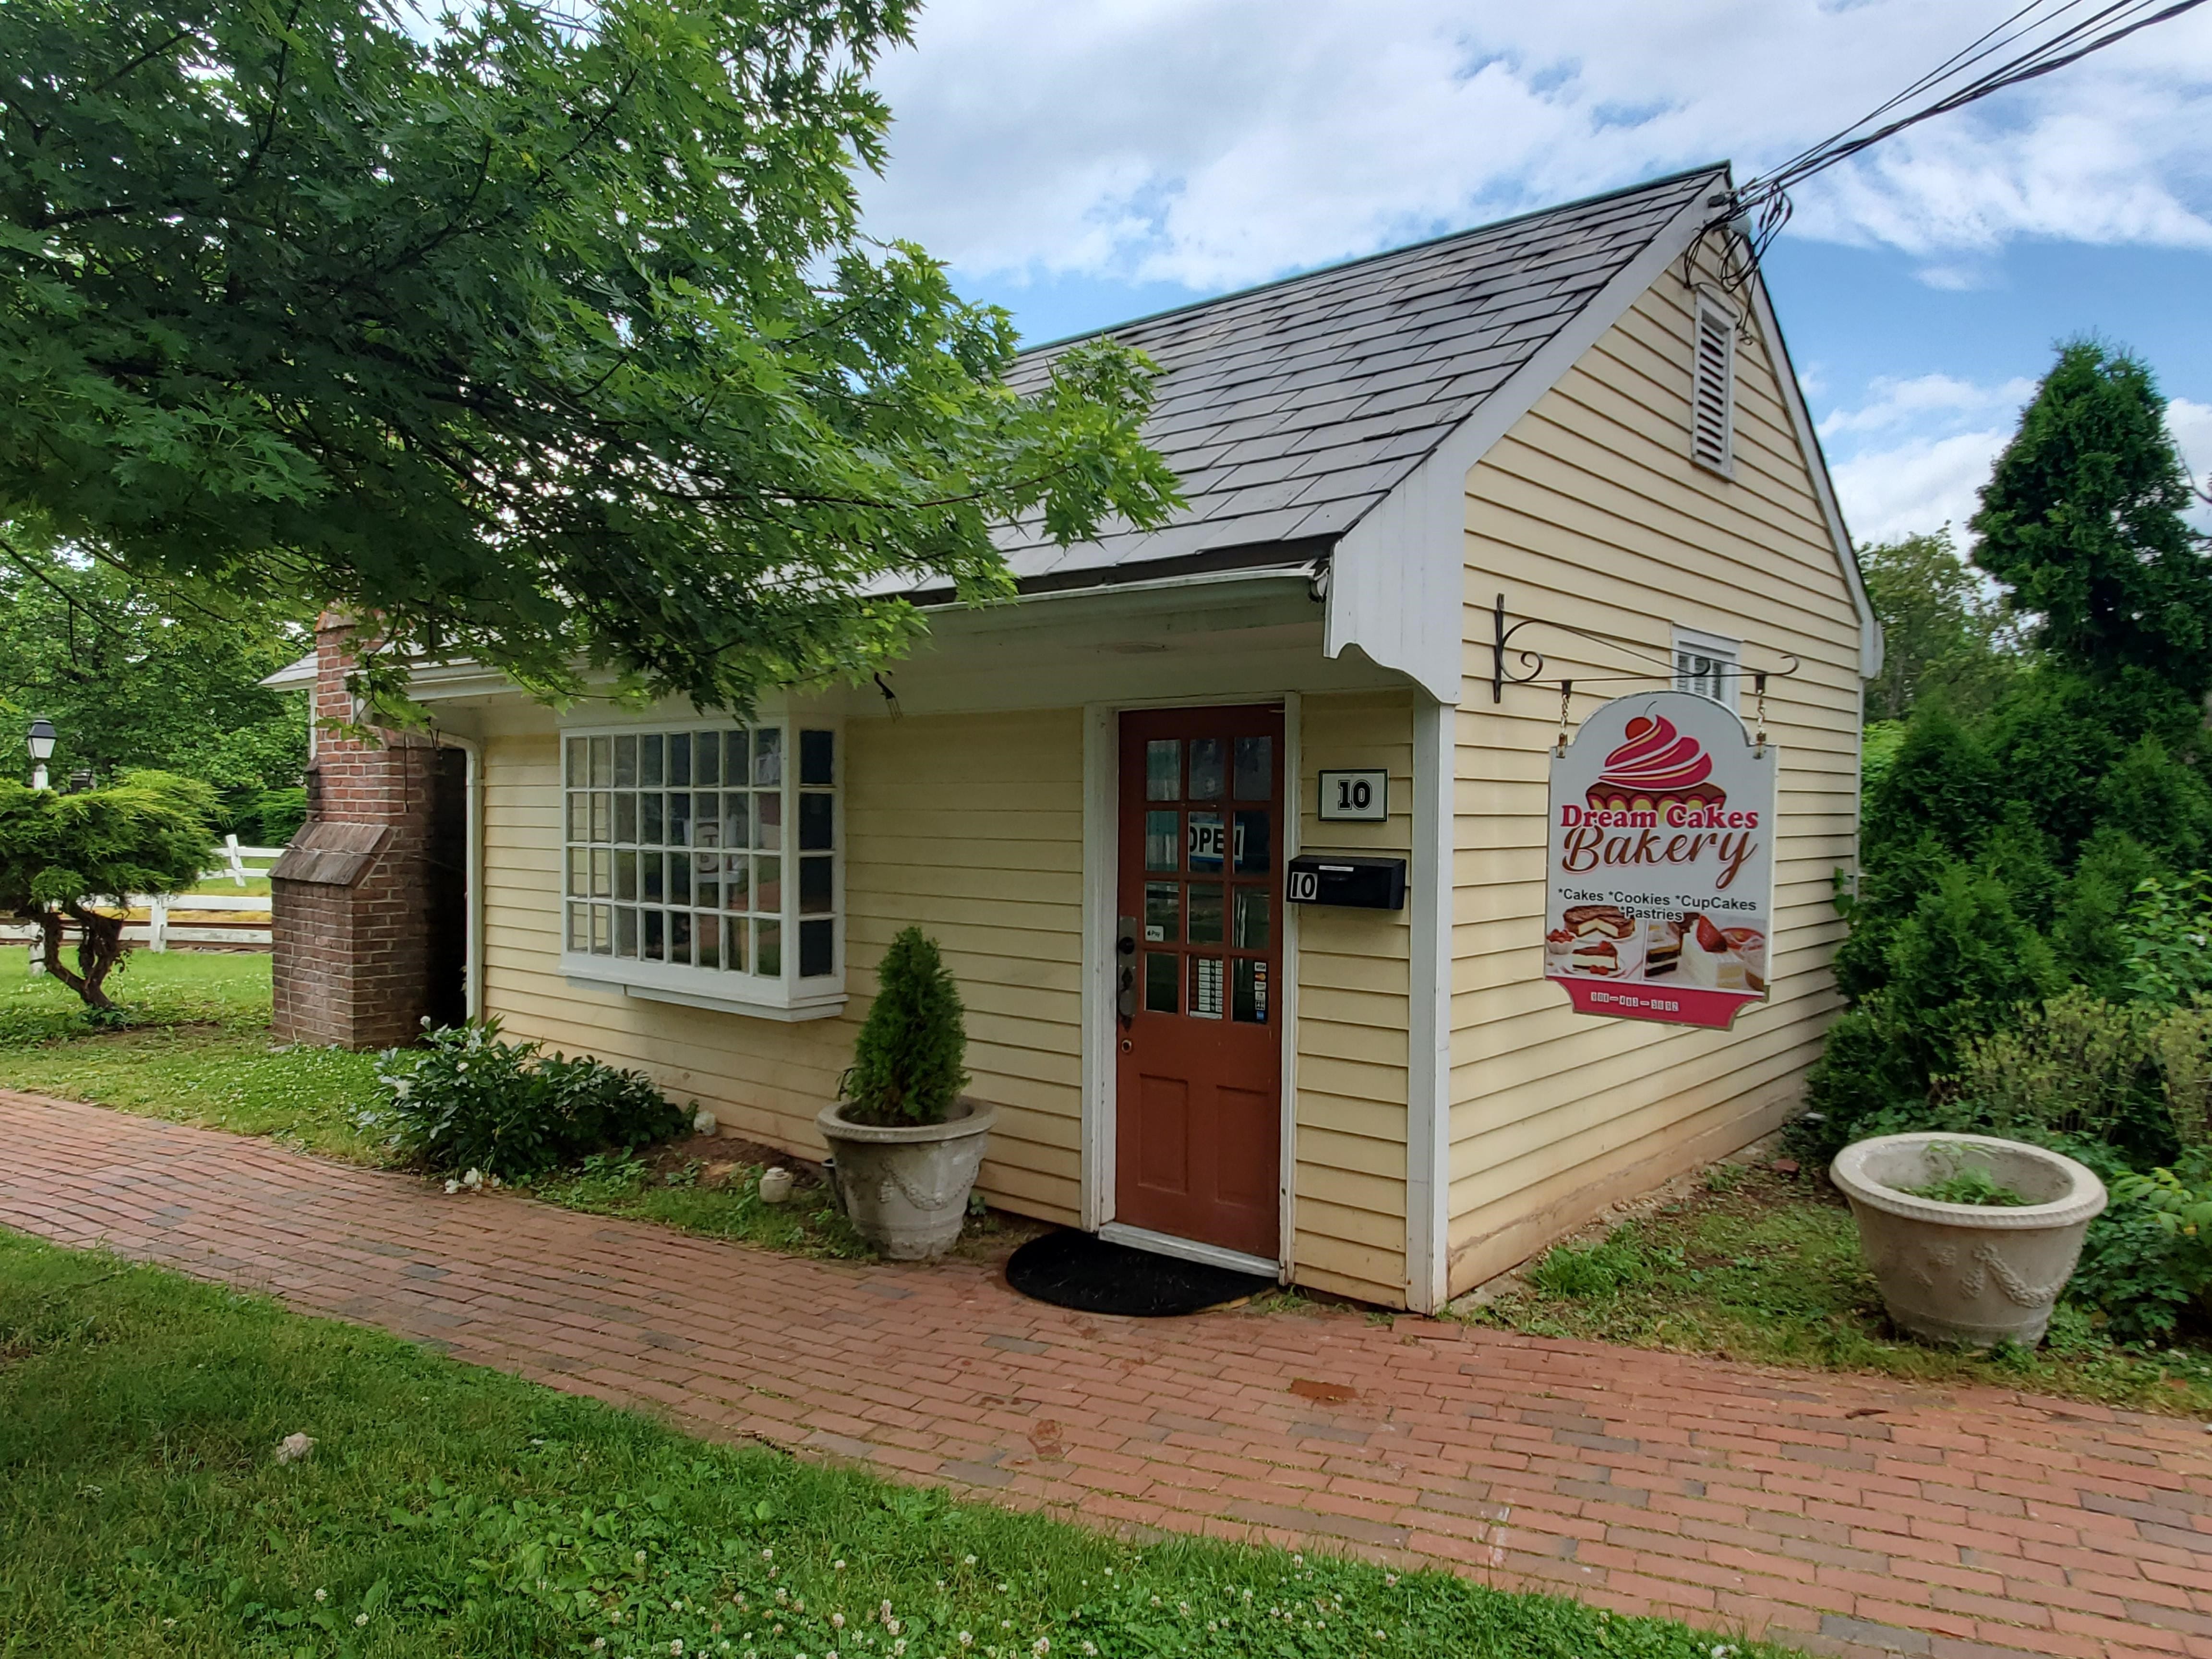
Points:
[1356,797]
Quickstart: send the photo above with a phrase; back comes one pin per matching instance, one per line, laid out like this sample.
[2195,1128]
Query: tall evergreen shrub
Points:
[907,1066]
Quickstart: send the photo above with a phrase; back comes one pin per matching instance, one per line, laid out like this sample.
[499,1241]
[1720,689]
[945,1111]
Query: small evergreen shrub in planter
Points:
[906,1142]
[465,1100]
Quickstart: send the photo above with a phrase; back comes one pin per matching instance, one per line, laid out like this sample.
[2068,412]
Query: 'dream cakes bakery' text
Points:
[1659,781]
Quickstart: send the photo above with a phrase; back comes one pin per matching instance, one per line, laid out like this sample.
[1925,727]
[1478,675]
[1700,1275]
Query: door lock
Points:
[1125,970]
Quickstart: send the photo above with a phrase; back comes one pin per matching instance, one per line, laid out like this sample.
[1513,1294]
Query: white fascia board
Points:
[1816,463]
[1397,579]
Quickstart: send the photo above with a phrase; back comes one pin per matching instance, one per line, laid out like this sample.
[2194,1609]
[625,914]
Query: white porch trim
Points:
[1429,988]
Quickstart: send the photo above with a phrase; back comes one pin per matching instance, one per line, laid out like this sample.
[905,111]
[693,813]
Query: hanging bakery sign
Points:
[1662,873]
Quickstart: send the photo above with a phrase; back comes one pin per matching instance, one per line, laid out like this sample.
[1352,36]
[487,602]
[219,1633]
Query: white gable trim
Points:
[1396,580]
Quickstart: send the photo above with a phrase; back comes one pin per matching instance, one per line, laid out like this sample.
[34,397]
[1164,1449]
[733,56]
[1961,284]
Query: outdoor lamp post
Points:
[41,745]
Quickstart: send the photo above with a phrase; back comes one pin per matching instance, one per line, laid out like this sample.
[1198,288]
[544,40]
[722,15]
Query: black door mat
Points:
[1082,1271]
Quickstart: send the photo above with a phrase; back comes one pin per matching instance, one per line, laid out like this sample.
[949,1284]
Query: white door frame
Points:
[1102,806]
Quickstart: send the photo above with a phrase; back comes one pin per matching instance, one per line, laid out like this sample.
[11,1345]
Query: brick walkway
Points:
[1845,1515]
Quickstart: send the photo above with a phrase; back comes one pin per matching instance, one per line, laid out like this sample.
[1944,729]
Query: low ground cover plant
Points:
[464,1099]
[148,1508]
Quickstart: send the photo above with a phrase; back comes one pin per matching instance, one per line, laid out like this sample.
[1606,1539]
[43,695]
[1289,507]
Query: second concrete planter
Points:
[1968,1273]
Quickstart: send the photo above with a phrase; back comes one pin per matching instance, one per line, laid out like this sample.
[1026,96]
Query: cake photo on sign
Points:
[1597,940]
[1722,959]
[1656,768]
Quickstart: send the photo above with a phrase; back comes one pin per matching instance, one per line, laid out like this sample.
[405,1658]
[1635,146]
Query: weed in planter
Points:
[1970,1183]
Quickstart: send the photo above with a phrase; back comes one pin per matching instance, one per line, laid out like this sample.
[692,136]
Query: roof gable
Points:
[1290,411]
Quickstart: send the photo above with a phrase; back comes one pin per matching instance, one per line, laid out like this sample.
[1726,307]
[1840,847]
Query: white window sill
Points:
[589,973]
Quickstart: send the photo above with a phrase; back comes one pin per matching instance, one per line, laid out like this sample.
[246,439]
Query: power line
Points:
[2059,34]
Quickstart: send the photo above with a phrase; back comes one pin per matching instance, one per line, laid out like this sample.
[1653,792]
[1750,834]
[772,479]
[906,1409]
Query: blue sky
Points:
[1085,164]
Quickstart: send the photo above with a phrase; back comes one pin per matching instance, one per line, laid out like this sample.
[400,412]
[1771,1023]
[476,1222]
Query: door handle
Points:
[1125,970]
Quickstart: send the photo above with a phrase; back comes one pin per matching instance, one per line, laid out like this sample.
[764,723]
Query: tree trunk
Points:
[97,951]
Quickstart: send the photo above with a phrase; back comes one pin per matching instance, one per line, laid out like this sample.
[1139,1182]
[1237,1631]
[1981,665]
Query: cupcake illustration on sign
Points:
[1662,864]
[1657,768]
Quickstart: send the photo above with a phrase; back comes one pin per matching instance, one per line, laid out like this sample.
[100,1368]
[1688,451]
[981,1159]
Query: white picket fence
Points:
[240,920]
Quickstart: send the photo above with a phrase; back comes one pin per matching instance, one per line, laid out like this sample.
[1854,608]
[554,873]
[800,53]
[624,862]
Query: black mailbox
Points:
[1362,883]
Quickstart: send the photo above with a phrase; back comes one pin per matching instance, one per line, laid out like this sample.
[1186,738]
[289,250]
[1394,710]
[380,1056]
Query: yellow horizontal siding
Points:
[1350,1208]
[1588,513]
[971,826]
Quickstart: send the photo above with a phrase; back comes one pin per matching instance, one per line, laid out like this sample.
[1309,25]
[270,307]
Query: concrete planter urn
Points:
[1968,1273]
[904,1187]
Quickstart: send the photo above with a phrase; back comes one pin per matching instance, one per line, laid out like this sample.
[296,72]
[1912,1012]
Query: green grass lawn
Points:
[1758,1265]
[453,1511]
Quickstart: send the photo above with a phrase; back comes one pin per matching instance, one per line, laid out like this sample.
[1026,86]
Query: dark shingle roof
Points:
[1291,410]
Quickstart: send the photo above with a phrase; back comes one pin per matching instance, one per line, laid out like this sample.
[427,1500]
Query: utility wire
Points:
[2063,31]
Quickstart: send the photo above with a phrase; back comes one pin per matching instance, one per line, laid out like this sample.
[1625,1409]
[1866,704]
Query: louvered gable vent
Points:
[1712,398]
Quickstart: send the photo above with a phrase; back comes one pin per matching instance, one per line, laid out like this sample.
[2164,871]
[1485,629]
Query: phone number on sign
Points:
[1657,1004]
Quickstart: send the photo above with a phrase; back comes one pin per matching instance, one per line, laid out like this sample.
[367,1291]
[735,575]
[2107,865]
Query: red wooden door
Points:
[1198,1110]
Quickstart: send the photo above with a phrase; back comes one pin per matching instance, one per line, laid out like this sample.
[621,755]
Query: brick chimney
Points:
[370,897]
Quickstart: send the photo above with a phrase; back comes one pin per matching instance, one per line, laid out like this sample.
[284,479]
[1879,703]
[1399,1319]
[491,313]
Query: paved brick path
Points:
[1846,1515]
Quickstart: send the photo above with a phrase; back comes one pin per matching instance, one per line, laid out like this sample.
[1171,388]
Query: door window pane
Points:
[817,765]
[1162,973]
[1162,913]
[1206,763]
[1163,836]
[1254,854]
[1204,839]
[1249,997]
[1255,769]
[1252,929]
[817,949]
[1205,913]
[1205,987]
[1163,768]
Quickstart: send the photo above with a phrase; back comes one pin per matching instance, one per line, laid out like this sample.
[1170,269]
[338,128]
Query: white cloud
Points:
[1211,143]
[1893,402]
[1914,487]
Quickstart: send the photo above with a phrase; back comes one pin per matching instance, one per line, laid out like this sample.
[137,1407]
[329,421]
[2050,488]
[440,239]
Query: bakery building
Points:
[1240,833]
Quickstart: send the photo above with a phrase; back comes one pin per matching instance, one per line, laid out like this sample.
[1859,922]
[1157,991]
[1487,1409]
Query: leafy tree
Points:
[132,685]
[2081,522]
[63,855]
[1940,631]
[909,1064]
[544,335]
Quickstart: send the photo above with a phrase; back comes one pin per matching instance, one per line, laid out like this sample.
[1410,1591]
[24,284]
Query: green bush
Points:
[908,1063]
[465,1100]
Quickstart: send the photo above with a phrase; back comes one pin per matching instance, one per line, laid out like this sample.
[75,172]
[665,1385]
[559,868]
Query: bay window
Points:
[700,865]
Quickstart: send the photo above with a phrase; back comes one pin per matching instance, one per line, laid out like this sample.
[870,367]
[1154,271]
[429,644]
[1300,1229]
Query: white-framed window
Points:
[1709,664]
[1712,386]
[703,863]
